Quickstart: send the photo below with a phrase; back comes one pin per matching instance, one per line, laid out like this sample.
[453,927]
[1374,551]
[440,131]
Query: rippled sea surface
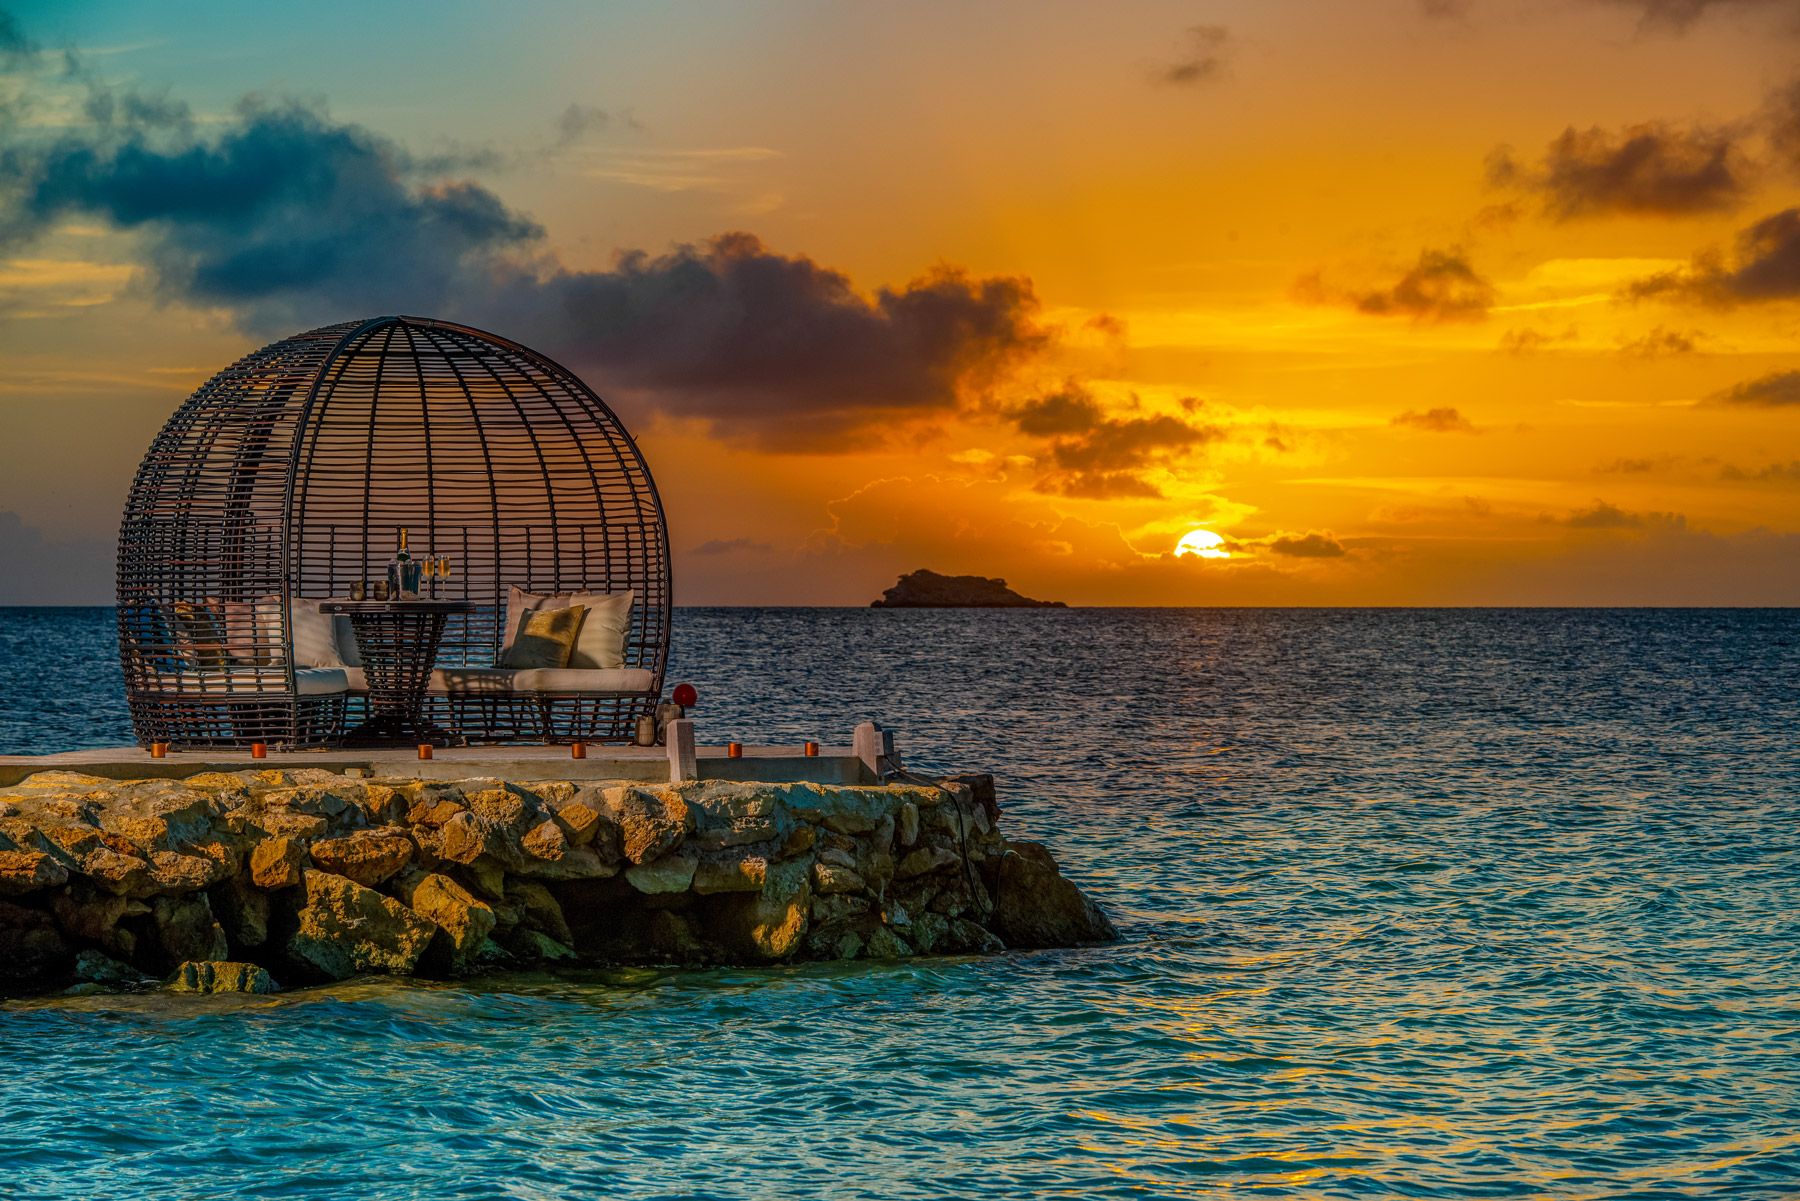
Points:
[1415,904]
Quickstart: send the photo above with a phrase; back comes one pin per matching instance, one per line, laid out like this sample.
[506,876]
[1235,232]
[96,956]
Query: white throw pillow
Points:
[601,643]
[519,605]
[315,634]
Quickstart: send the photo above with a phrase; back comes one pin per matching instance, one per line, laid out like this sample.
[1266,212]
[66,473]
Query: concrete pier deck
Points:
[770,764]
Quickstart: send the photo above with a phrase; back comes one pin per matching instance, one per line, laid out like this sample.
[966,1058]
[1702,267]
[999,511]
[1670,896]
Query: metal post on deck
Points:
[684,765]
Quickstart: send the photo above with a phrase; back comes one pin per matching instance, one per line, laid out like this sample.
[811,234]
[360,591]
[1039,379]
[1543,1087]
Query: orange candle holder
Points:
[578,750]
[424,750]
[734,750]
[812,750]
[259,750]
[159,750]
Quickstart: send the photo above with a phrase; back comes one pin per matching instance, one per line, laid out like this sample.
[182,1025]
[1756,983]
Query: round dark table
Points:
[398,642]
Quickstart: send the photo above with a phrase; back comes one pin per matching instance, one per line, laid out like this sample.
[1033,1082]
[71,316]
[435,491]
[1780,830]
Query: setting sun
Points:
[1204,543]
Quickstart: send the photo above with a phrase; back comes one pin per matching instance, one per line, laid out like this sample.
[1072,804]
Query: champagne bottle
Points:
[401,571]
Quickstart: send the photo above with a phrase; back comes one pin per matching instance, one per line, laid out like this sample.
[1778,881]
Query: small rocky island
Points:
[928,590]
[247,881]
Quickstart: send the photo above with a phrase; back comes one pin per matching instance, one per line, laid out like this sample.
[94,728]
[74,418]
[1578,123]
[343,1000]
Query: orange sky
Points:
[1411,303]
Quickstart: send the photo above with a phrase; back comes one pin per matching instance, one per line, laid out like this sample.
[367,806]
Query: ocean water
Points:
[1415,904]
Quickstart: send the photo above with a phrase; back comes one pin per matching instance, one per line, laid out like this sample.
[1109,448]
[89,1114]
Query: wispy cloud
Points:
[1204,55]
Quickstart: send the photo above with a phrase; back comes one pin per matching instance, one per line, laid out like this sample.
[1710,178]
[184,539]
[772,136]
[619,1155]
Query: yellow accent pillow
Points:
[546,638]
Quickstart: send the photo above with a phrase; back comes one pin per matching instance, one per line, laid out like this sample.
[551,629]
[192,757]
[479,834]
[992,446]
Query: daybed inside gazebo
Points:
[282,484]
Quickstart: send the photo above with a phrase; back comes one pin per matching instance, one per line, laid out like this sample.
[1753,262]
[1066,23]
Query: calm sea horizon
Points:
[1414,902]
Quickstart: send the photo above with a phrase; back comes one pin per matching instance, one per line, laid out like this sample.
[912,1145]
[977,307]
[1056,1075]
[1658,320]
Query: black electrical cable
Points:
[962,831]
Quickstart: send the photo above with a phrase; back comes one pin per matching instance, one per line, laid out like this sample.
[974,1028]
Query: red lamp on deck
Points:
[685,696]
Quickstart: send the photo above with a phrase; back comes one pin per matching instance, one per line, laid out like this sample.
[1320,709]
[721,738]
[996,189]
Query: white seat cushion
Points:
[320,681]
[308,681]
[460,680]
[582,679]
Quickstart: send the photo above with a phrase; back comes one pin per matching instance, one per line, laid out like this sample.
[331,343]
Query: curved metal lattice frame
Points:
[289,474]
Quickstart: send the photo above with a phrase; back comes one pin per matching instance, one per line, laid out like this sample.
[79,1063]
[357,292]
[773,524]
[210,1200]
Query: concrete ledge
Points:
[832,765]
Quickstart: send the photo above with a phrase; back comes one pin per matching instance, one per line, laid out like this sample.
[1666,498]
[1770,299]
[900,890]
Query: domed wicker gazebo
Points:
[284,481]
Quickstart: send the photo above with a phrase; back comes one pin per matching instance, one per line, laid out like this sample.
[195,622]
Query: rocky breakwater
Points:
[248,881]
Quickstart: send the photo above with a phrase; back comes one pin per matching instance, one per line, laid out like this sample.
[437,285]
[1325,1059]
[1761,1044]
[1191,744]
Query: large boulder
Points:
[30,946]
[579,819]
[1034,906]
[365,856]
[540,909]
[222,976]
[344,928]
[926,860]
[671,873]
[545,841]
[186,929]
[172,872]
[576,863]
[767,925]
[277,863]
[729,813]
[117,872]
[162,815]
[651,821]
[28,871]
[465,920]
[831,878]
[88,916]
[730,871]
[96,967]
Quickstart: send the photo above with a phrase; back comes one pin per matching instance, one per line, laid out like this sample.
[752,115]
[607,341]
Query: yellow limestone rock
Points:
[277,863]
[345,928]
[215,976]
[365,856]
[465,920]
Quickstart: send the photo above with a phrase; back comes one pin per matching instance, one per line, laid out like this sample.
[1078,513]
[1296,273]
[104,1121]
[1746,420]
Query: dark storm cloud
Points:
[1781,121]
[1101,485]
[1093,455]
[1069,411]
[1782,473]
[1777,390]
[777,346]
[1128,442]
[1308,546]
[1661,343]
[1764,265]
[286,218]
[1603,515]
[283,216]
[1679,15]
[1523,341]
[1636,466]
[578,120]
[1646,170]
[728,546]
[1441,286]
[1435,421]
[14,45]
[1203,56]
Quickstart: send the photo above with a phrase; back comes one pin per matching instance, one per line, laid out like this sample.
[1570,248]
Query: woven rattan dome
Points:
[290,472]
